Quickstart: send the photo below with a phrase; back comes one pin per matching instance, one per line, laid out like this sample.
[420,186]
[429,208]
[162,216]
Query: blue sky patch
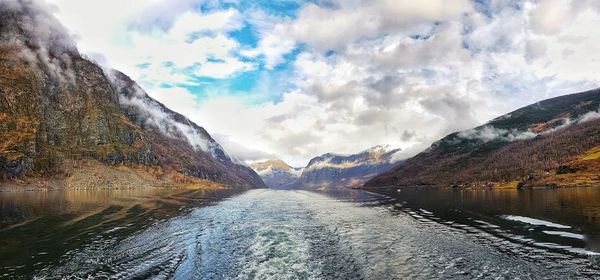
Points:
[246,36]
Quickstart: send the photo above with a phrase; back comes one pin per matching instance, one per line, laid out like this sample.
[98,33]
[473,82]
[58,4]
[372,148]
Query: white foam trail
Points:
[535,222]
[564,234]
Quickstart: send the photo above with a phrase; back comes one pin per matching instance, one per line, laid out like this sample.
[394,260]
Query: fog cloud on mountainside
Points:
[590,116]
[314,81]
[241,151]
[489,133]
[155,116]
[49,45]
[46,44]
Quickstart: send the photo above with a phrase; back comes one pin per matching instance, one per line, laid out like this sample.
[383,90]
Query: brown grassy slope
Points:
[91,174]
[57,106]
[174,150]
[541,161]
[44,119]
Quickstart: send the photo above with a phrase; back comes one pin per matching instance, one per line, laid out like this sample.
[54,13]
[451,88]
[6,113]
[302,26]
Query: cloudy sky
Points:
[294,79]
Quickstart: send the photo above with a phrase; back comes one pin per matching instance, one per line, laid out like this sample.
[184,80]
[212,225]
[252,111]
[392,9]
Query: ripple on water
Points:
[268,234]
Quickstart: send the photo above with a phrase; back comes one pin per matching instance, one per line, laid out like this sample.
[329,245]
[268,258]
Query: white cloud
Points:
[332,28]
[580,45]
[490,133]
[223,68]
[383,81]
[190,23]
[177,98]
[241,151]
[535,49]
[273,47]
[327,28]
[400,73]
[549,16]
[166,37]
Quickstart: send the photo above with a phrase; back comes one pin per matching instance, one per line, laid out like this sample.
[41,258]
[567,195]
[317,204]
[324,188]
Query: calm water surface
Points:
[274,234]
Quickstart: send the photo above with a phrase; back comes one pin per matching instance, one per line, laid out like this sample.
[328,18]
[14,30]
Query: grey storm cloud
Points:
[456,112]
[387,84]
[408,135]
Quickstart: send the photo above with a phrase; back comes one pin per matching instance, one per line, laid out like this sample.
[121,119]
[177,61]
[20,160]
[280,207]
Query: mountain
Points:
[555,142]
[331,170]
[60,111]
[277,174]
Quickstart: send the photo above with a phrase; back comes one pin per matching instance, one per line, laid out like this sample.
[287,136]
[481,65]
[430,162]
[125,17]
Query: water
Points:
[274,234]
[39,229]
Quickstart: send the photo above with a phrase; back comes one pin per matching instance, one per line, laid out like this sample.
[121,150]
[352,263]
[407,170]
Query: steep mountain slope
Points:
[277,174]
[554,142]
[331,170]
[57,108]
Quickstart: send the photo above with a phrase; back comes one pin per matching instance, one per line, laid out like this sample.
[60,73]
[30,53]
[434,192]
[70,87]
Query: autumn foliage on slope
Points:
[57,106]
[550,143]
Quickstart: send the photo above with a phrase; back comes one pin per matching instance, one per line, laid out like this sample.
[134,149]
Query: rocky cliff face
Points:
[331,170]
[277,174]
[56,106]
[554,142]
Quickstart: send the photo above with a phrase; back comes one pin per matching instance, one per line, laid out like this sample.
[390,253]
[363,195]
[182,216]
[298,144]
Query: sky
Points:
[294,79]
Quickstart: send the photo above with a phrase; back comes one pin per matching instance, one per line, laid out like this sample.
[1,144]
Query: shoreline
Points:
[91,174]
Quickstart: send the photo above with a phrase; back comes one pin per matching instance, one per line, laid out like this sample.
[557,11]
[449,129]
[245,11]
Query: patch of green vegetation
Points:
[592,154]
[48,162]
[509,185]
[12,155]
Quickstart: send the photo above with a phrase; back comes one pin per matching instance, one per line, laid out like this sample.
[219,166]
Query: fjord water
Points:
[276,234]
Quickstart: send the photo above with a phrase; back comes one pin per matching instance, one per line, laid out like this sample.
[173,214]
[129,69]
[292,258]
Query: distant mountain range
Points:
[64,118]
[552,143]
[60,111]
[332,170]
[277,174]
[329,170]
